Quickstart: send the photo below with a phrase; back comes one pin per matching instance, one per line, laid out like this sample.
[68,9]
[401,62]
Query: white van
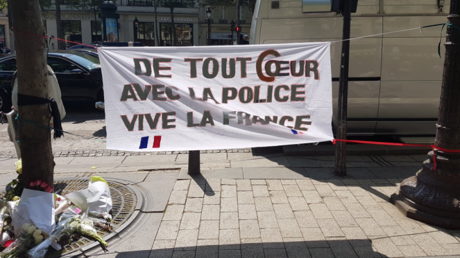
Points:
[395,79]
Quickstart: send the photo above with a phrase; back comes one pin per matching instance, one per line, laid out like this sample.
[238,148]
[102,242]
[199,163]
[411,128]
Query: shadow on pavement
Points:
[101,133]
[304,249]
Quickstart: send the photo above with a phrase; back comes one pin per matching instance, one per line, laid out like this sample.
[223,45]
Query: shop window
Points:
[146,33]
[96,32]
[72,32]
[183,33]
[2,36]
[140,2]
[312,6]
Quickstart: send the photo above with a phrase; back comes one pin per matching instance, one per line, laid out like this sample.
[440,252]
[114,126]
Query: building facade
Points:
[220,23]
[4,32]
[136,22]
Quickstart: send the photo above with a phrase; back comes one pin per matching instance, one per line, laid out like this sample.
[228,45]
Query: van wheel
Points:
[5,102]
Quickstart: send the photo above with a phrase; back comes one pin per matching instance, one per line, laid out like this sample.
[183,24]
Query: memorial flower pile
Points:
[34,219]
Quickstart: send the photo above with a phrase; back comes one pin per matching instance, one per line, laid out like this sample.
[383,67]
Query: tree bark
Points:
[156,24]
[60,31]
[173,27]
[34,133]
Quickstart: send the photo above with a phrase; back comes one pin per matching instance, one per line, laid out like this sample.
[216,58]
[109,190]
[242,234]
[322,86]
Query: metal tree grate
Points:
[124,201]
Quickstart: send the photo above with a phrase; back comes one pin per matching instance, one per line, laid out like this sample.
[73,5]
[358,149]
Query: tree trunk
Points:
[173,27]
[156,25]
[34,133]
[60,31]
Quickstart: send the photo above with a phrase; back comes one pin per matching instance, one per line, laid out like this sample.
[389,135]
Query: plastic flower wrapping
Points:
[34,220]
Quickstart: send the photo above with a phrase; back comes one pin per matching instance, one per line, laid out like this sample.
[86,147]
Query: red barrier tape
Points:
[46,36]
[432,146]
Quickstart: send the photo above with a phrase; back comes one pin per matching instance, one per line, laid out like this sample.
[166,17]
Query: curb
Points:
[354,150]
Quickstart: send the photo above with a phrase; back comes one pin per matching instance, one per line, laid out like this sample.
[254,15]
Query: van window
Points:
[313,6]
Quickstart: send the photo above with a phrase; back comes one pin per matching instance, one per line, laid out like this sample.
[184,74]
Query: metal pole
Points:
[233,29]
[194,162]
[238,21]
[209,31]
[341,148]
[432,195]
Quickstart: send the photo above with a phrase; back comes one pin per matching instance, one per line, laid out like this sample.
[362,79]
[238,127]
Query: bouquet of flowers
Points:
[30,237]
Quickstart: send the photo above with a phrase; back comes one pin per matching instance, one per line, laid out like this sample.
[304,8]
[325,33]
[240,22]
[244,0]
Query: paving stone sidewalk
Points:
[293,218]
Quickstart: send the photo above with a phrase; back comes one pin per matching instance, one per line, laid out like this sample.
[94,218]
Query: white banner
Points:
[216,97]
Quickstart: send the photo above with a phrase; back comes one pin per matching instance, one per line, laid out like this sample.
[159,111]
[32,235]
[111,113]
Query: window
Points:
[146,33]
[60,65]
[183,32]
[96,33]
[2,36]
[140,2]
[310,6]
[8,65]
[85,60]
[72,31]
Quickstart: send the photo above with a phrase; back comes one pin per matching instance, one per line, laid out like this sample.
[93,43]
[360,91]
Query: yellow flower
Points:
[19,166]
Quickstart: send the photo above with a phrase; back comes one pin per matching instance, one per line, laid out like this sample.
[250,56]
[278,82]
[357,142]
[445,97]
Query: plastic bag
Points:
[37,208]
[61,204]
[99,199]
[40,250]
[79,199]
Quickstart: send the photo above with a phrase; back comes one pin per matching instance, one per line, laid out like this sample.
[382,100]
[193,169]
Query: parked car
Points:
[91,46]
[79,76]
[88,52]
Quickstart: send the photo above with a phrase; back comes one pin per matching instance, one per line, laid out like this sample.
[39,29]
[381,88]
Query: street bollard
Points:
[194,163]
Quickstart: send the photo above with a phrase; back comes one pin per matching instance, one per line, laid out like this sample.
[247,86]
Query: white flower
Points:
[38,239]
[37,232]
[28,228]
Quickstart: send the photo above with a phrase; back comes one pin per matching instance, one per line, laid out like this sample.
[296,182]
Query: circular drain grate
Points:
[124,201]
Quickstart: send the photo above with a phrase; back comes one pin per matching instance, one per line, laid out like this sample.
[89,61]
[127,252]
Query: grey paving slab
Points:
[135,177]
[63,160]
[204,157]
[236,173]
[273,173]
[304,162]
[160,186]
[152,159]
[8,164]
[138,243]
[240,156]
[261,162]
[394,172]
[104,160]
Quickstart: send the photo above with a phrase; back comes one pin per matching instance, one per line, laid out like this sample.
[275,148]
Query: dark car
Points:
[91,46]
[88,52]
[79,76]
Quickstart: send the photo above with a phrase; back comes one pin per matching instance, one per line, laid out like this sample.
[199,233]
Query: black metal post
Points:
[135,33]
[209,31]
[232,26]
[341,148]
[238,21]
[194,163]
[432,195]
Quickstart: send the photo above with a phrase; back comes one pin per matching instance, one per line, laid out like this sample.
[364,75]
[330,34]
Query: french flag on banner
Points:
[145,142]
[295,132]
